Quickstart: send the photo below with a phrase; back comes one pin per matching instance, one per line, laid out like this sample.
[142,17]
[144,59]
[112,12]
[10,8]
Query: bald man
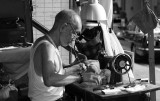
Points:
[47,77]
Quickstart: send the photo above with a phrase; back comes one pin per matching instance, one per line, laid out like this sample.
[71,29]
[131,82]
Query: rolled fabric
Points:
[106,75]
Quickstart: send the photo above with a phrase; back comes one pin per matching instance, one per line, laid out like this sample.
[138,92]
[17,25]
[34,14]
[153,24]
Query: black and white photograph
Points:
[79,50]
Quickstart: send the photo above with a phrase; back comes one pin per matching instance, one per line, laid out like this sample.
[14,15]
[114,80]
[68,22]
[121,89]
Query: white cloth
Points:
[116,46]
[15,61]
[107,42]
[37,90]
[111,42]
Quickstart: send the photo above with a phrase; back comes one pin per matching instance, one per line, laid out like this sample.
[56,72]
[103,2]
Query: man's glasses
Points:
[75,34]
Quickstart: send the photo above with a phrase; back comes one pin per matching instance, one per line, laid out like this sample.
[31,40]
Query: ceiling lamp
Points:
[93,11]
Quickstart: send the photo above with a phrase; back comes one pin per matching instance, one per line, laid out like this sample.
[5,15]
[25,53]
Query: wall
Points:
[44,11]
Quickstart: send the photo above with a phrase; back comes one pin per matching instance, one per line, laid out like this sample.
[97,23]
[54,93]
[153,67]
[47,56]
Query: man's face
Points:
[71,33]
[70,36]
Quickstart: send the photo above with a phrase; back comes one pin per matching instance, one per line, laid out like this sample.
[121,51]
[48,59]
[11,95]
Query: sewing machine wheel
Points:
[121,63]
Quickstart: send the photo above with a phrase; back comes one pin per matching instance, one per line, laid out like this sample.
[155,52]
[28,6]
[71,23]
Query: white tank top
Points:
[37,90]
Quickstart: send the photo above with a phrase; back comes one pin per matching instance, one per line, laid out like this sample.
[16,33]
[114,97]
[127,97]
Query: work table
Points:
[82,91]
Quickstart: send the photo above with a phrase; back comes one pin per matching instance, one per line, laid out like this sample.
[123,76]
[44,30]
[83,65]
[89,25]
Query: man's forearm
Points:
[69,70]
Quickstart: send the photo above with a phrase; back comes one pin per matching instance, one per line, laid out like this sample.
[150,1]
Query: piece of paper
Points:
[111,91]
[135,88]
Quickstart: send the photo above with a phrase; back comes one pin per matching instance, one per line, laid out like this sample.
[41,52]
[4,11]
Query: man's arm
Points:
[49,68]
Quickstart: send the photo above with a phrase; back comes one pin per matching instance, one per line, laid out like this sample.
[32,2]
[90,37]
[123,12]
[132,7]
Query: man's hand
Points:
[75,68]
[93,66]
[81,67]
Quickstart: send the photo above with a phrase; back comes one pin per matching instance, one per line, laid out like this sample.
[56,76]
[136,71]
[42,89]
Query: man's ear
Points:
[63,27]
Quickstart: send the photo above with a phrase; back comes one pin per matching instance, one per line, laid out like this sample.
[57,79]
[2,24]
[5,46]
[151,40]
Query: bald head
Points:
[67,16]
